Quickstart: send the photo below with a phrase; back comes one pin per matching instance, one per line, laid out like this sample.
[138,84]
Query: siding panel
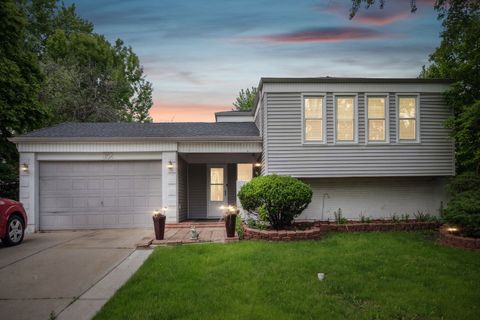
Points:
[197,191]
[374,197]
[182,189]
[285,153]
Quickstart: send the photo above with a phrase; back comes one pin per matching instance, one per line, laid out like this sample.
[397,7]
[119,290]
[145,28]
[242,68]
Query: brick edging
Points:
[452,240]
[282,235]
[320,229]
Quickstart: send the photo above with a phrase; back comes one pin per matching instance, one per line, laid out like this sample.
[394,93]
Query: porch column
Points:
[28,177]
[170,186]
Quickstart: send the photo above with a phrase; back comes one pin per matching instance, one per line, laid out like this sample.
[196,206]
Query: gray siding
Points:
[232,183]
[284,152]
[182,189]
[197,191]
[375,197]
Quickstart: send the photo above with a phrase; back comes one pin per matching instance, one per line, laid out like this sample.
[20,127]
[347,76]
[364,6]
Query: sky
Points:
[199,54]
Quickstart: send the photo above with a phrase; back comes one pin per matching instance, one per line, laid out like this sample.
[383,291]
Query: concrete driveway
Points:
[48,271]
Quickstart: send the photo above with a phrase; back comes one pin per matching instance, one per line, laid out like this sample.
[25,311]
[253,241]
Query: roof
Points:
[144,131]
[234,114]
[343,80]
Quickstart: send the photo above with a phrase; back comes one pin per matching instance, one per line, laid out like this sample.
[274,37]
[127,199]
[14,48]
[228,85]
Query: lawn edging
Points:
[282,235]
[319,229]
[452,240]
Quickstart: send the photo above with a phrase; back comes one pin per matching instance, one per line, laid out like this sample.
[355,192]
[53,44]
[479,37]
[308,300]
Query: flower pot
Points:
[230,220]
[159,226]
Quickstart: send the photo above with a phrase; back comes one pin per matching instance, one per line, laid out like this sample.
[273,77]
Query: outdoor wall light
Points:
[257,164]
[170,165]
[24,167]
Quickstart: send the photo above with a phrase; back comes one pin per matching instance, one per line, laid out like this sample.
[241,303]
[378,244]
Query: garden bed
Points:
[455,240]
[315,230]
[378,225]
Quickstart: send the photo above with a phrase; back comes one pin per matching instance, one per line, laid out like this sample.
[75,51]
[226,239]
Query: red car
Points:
[13,220]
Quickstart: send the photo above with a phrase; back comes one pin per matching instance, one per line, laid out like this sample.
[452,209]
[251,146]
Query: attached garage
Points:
[98,194]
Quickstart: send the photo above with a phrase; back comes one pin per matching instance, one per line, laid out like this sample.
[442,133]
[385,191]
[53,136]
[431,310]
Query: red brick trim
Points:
[282,235]
[452,240]
[319,229]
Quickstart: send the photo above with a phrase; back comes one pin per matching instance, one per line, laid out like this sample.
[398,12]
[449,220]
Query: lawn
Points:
[368,276]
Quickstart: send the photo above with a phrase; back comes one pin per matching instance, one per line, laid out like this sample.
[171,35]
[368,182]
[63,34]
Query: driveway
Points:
[48,271]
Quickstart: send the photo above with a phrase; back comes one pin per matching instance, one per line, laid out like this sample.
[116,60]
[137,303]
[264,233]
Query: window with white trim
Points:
[345,119]
[376,118]
[313,119]
[407,118]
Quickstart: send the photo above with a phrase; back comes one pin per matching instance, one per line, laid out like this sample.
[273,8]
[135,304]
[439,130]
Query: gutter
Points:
[134,139]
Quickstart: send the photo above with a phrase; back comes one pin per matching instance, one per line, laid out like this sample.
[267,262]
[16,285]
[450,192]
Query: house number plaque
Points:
[108,156]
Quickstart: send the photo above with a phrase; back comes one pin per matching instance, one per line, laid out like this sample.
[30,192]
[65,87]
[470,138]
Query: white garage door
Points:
[99,194]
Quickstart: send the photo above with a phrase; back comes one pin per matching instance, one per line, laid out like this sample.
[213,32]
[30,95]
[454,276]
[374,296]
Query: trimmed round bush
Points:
[276,199]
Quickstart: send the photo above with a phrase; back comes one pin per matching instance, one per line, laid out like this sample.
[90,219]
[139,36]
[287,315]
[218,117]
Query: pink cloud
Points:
[328,34]
[178,112]
[381,18]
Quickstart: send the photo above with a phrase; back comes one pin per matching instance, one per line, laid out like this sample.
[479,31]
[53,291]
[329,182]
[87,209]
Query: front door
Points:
[216,190]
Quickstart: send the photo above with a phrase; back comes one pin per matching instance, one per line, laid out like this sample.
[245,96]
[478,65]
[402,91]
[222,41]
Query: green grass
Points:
[368,276]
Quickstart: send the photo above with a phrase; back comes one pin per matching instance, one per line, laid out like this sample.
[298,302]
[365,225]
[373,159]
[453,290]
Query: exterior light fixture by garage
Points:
[24,167]
[257,165]
[170,165]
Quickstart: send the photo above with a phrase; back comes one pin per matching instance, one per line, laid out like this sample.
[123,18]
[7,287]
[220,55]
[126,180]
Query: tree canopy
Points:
[245,99]
[55,68]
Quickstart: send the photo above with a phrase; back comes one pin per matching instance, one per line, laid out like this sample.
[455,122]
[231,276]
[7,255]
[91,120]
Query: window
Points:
[376,119]
[244,171]
[407,118]
[313,114]
[216,184]
[345,122]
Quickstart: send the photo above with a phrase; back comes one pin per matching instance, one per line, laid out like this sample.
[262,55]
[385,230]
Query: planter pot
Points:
[159,226]
[230,220]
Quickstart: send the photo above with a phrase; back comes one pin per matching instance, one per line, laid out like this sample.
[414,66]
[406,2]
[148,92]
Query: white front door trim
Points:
[214,207]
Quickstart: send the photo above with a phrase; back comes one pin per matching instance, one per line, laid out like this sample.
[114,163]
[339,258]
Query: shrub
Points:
[276,199]
[463,210]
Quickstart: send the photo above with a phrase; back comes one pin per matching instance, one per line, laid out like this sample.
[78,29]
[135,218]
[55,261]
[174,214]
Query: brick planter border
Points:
[456,241]
[318,230]
[282,235]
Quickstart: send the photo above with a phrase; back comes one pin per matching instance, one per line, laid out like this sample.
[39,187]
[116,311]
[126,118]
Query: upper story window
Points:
[313,119]
[376,115]
[345,119]
[407,118]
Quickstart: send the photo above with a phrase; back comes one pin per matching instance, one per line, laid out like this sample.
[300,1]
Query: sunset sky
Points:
[199,54]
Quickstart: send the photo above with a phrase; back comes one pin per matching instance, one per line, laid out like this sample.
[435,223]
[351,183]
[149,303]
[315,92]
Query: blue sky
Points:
[199,54]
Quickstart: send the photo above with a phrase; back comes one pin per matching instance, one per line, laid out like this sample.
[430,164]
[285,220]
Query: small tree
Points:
[276,199]
[245,99]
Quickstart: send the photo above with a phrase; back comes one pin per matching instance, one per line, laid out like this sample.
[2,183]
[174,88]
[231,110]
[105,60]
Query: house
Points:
[373,147]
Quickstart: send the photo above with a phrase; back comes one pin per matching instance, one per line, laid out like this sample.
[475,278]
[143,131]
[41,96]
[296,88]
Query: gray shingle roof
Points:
[123,130]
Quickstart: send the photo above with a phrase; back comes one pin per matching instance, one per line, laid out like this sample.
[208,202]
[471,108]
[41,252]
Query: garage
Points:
[98,194]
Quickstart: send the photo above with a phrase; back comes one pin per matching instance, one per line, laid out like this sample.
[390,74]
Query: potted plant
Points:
[230,217]
[159,224]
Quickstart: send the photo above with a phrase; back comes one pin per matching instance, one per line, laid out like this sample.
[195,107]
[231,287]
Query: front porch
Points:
[180,233]
[208,181]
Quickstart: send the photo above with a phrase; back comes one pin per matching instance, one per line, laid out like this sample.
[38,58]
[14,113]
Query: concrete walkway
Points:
[49,271]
